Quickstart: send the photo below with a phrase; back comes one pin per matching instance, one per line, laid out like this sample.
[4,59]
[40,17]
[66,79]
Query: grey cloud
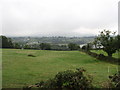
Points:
[53,17]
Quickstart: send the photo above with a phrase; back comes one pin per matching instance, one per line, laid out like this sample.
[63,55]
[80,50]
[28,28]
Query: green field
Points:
[20,70]
[116,55]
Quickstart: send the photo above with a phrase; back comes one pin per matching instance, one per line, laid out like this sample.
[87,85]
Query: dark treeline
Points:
[6,42]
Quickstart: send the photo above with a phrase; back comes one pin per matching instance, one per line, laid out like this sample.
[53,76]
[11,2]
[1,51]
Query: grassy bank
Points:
[115,55]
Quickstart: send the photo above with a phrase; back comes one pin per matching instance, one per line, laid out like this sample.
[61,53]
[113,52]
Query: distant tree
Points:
[89,46]
[117,42]
[35,46]
[73,46]
[27,46]
[59,47]
[0,42]
[95,43]
[107,41]
[16,45]
[45,46]
[84,47]
[6,42]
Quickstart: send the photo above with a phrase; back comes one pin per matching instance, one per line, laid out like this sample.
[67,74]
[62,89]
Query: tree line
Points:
[7,43]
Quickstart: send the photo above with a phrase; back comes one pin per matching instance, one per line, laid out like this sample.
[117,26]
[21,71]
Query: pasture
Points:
[115,55]
[19,69]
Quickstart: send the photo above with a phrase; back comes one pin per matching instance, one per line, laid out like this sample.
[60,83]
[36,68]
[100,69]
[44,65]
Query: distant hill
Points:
[52,40]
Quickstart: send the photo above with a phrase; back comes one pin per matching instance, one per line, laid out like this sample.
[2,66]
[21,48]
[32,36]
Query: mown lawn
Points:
[20,70]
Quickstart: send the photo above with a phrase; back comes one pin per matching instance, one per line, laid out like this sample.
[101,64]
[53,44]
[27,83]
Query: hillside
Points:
[52,40]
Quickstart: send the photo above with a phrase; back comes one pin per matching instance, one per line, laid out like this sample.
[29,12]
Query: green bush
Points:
[73,46]
[45,46]
[115,80]
[69,79]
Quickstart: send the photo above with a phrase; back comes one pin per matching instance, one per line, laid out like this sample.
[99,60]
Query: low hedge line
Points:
[103,57]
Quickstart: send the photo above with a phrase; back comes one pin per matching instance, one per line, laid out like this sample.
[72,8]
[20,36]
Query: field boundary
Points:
[103,57]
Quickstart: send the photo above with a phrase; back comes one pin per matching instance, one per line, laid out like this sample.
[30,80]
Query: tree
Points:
[45,46]
[84,47]
[95,43]
[89,46]
[107,41]
[27,46]
[117,42]
[6,42]
[73,46]
[16,45]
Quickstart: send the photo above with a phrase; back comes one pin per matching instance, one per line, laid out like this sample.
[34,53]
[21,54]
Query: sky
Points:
[57,17]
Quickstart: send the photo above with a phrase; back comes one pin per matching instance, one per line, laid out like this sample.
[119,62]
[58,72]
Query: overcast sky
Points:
[57,17]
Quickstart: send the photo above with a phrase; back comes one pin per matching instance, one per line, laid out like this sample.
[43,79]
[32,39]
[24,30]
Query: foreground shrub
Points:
[69,79]
[115,80]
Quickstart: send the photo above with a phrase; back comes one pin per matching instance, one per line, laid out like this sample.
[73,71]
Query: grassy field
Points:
[20,70]
[116,55]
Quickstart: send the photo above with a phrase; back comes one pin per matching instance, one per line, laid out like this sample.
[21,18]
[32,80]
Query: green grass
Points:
[116,55]
[20,70]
